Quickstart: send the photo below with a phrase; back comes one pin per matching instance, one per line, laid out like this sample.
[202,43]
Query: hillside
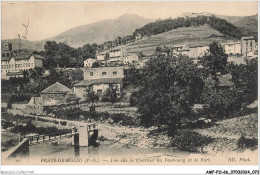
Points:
[190,36]
[160,31]
[246,23]
[26,44]
[102,31]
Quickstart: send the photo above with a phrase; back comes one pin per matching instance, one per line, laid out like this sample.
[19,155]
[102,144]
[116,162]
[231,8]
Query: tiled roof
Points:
[22,57]
[231,43]
[103,52]
[56,88]
[99,81]
[116,48]
[14,73]
[37,56]
[5,58]
[248,37]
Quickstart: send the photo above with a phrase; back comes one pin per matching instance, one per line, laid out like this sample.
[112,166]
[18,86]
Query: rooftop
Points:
[231,43]
[22,57]
[247,38]
[99,81]
[56,88]
[14,73]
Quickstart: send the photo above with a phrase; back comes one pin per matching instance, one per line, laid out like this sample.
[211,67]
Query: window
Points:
[99,91]
[114,73]
[104,73]
[91,74]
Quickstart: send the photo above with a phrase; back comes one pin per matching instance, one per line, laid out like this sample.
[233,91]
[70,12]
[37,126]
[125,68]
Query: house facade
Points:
[98,80]
[89,62]
[232,48]
[116,55]
[247,45]
[131,58]
[198,51]
[101,56]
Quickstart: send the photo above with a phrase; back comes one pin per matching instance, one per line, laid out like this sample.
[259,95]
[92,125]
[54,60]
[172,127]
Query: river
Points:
[52,150]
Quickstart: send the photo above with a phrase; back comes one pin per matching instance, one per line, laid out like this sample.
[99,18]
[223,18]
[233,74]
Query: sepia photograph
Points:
[129,83]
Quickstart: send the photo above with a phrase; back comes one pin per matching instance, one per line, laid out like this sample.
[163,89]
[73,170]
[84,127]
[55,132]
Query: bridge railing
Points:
[37,138]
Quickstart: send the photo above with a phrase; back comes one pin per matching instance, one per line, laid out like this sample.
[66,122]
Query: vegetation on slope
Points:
[161,26]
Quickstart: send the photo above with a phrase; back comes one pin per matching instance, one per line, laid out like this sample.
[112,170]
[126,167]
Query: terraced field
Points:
[190,36]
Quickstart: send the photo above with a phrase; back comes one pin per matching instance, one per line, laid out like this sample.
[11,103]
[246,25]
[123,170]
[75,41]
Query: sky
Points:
[48,19]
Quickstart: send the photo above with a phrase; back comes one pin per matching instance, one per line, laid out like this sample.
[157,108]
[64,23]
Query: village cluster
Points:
[109,74]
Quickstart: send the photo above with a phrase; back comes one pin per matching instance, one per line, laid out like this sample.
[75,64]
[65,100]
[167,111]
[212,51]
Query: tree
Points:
[91,97]
[110,95]
[168,87]
[215,62]
[133,75]
[58,54]
[95,65]
[36,73]
[71,98]
[245,78]
[88,51]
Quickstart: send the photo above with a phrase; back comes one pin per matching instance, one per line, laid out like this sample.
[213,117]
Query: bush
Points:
[63,123]
[19,129]
[244,143]
[133,99]
[190,141]
[124,120]
[20,98]
[102,116]
[50,130]
[40,130]
[6,125]
[55,121]
[117,117]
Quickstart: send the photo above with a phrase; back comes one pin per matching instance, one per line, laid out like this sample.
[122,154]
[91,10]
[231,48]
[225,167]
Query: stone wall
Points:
[33,109]
[52,99]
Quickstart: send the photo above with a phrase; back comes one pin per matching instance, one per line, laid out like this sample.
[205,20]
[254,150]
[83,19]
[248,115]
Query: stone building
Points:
[131,58]
[99,80]
[232,48]
[89,62]
[13,64]
[34,106]
[54,94]
[116,55]
[247,45]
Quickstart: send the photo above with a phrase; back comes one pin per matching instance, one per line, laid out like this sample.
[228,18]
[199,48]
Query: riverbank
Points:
[225,133]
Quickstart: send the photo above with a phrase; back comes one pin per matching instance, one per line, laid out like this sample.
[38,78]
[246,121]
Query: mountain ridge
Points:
[102,31]
[97,32]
